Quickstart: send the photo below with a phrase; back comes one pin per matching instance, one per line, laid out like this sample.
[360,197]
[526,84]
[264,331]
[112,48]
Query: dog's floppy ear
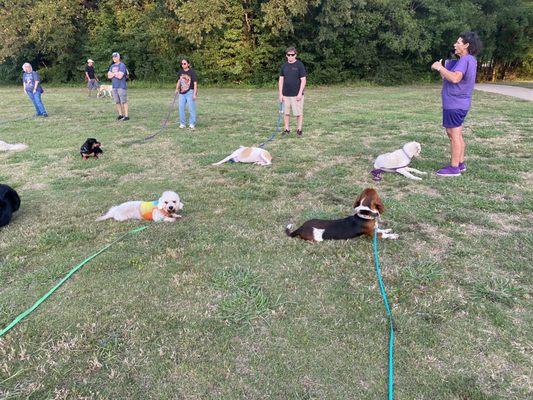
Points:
[378,204]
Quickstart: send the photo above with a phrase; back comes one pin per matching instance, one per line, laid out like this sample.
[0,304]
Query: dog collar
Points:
[407,155]
[359,208]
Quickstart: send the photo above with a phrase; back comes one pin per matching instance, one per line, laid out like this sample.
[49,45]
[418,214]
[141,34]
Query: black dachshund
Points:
[9,203]
[91,148]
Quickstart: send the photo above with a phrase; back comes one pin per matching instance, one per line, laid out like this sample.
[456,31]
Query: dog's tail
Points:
[288,231]
[107,215]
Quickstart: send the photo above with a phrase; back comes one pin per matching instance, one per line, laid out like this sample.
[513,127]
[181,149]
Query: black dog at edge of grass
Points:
[9,203]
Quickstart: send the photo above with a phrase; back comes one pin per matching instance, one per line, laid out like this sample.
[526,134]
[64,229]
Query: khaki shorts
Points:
[296,106]
[120,96]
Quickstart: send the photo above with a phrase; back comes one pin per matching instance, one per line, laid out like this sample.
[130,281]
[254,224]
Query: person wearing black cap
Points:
[117,73]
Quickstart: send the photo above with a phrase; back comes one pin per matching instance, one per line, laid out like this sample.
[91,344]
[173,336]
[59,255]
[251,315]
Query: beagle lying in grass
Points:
[165,209]
[104,91]
[398,161]
[367,208]
[243,154]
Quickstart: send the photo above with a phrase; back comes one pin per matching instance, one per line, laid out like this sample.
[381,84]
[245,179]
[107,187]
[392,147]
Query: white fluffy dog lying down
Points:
[12,147]
[164,209]
[243,154]
[398,161]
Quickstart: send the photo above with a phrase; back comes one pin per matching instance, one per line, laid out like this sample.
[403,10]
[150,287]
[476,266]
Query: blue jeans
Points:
[191,105]
[36,100]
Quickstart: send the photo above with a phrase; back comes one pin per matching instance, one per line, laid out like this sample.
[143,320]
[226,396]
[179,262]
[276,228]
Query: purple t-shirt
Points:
[457,96]
[115,82]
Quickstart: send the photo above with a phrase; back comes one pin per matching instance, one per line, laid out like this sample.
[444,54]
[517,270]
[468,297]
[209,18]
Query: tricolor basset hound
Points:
[367,208]
[165,209]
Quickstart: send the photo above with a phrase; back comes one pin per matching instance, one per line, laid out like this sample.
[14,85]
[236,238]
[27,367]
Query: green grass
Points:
[221,304]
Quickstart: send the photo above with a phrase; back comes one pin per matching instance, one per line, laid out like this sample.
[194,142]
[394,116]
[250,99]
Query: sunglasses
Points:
[291,55]
[184,63]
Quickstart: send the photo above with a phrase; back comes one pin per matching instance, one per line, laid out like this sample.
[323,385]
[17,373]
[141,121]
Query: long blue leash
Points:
[278,126]
[389,314]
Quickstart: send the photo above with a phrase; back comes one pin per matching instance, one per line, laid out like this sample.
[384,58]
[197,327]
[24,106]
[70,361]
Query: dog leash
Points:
[278,126]
[15,120]
[165,122]
[65,278]
[389,313]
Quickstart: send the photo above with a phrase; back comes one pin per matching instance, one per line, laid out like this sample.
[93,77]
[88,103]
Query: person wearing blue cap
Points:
[117,73]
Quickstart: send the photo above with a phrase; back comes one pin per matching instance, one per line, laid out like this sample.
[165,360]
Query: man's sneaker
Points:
[449,171]
[299,132]
[192,127]
[120,117]
[45,115]
[462,167]
[182,126]
[286,131]
[125,118]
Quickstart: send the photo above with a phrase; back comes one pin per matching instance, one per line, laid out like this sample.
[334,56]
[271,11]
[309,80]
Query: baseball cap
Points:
[90,61]
[115,54]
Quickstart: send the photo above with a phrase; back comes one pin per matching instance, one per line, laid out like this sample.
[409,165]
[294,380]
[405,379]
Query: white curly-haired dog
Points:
[243,154]
[165,209]
[12,147]
[398,161]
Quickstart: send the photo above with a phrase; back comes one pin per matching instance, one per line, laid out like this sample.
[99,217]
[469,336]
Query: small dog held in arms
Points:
[243,154]
[367,209]
[165,209]
[91,148]
[12,147]
[104,91]
[398,161]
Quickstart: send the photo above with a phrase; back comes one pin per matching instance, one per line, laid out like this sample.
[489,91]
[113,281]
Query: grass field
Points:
[222,305]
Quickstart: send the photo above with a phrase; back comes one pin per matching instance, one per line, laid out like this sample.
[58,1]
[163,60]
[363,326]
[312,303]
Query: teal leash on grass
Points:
[67,276]
[389,314]
[278,126]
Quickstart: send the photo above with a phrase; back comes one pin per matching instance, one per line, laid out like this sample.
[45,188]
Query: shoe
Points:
[120,117]
[45,115]
[125,118]
[449,171]
[286,131]
[192,127]
[299,132]
[182,126]
[462,167]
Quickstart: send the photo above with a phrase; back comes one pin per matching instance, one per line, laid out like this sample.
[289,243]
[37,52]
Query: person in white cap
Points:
[90,75]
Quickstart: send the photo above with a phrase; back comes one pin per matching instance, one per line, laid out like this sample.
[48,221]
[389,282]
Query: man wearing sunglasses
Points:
[291,85]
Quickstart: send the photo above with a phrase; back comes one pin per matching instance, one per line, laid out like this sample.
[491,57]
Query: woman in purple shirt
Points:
[458,79]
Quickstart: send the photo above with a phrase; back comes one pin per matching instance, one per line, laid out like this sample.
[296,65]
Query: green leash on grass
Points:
[389,314]
[67,276]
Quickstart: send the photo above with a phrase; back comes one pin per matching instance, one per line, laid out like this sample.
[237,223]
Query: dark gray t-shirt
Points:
[291,77]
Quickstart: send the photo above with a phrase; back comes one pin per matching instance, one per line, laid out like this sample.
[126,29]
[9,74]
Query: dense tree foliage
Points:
[386,41]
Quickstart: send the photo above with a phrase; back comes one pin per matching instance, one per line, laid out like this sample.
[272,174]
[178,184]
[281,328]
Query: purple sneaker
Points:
[449,171]
[462,167]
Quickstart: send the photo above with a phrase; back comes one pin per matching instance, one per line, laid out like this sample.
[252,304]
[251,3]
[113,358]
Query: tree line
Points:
[234,42]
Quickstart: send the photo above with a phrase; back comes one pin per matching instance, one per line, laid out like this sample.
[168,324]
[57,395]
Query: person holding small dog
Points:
[117,73]
[187,89]
[92,79]
[291,85]
[31,82]
[458,79]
